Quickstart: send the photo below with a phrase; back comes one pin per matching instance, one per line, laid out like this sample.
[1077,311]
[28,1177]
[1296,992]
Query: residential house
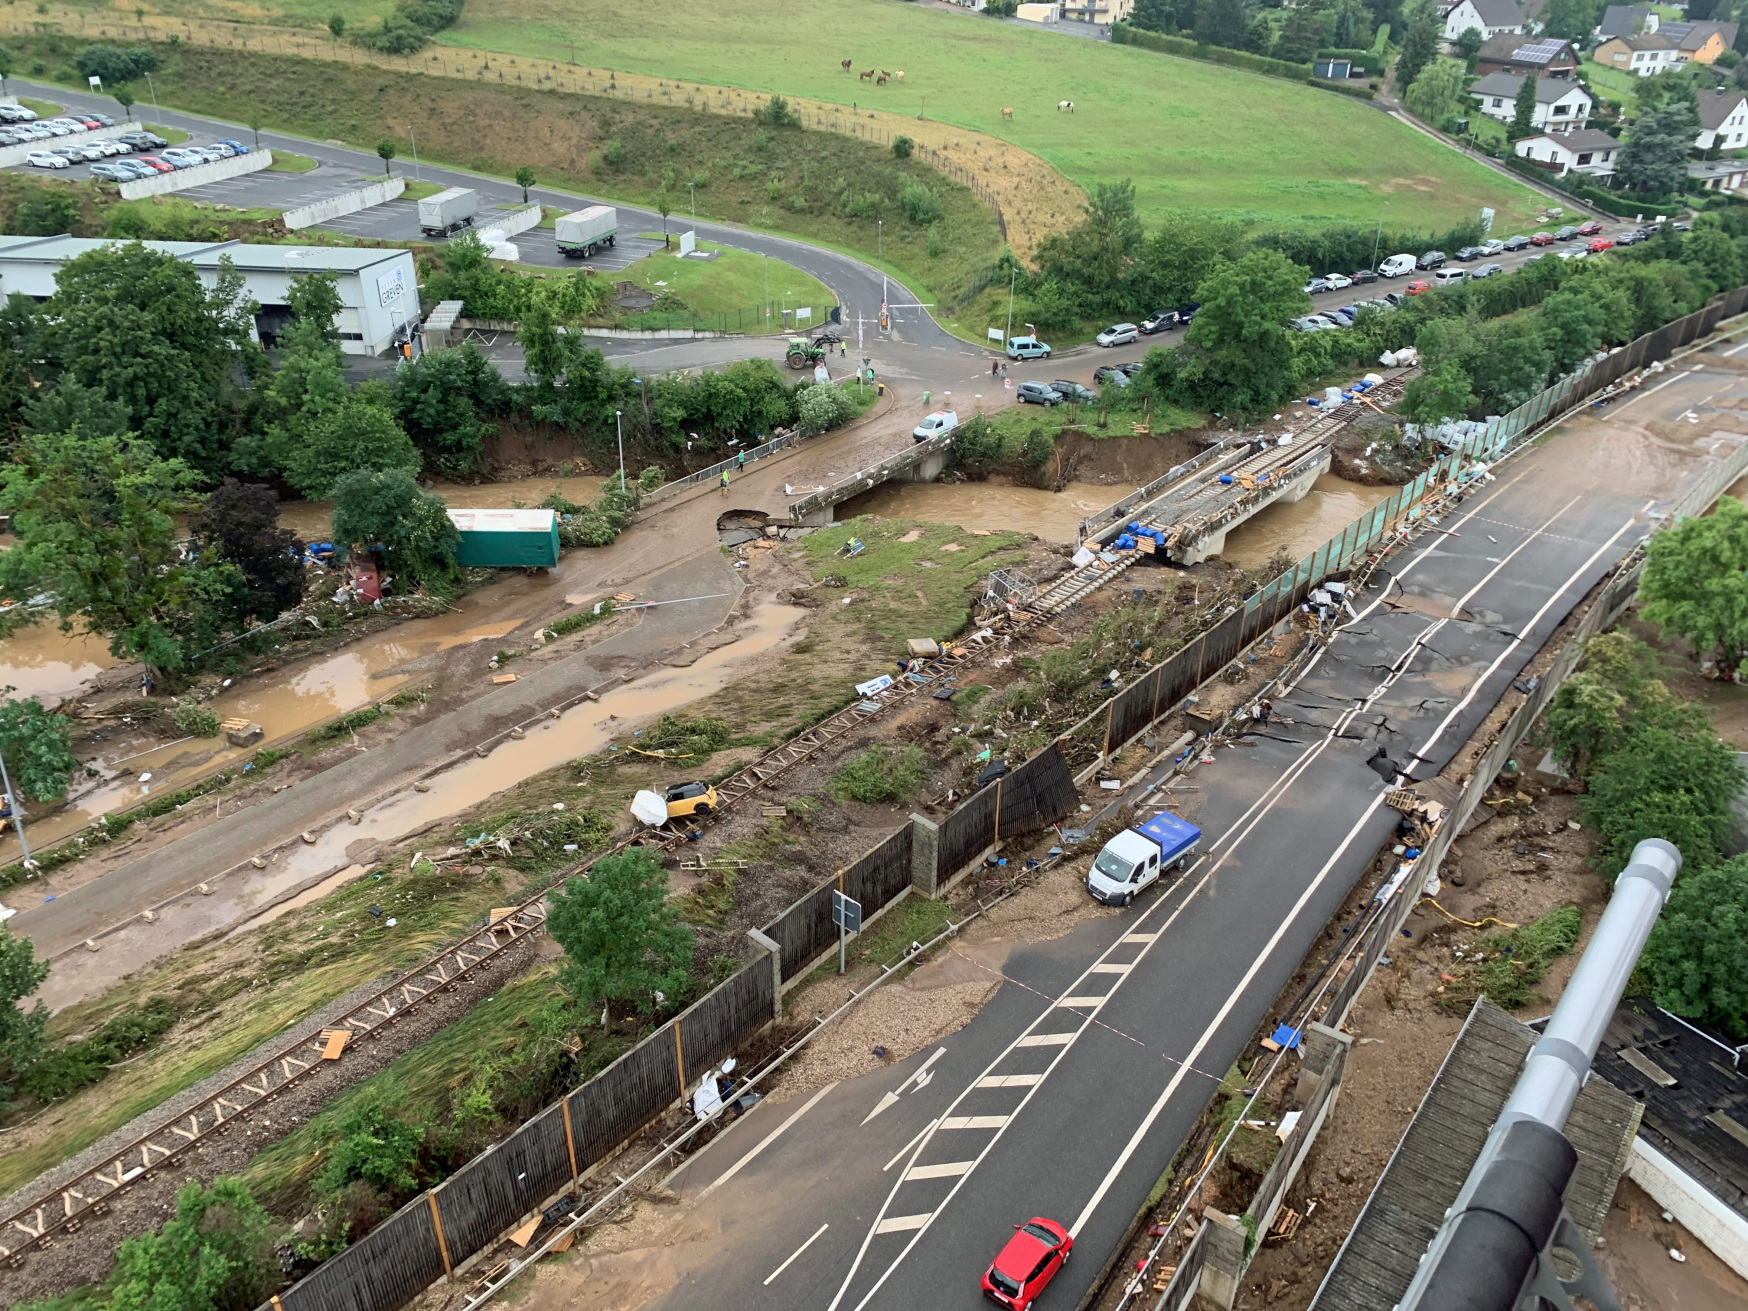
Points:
[1489,17]
[1588,150]
[1717,175]
[1626,20]
[1543,57]
[1723,120]
[1560,104]
[1102,12]
[1641,56]
[1700,43]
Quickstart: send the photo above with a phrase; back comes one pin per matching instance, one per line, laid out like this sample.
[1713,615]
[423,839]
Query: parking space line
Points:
[797,1252]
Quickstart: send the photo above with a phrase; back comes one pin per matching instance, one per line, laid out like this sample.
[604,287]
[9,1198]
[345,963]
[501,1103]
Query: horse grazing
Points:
[881,80]
[866,74]
[1065,104]
[899,75]
[1007,113]
[846,65]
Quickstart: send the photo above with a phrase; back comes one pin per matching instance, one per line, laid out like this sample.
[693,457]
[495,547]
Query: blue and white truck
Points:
[1137,856]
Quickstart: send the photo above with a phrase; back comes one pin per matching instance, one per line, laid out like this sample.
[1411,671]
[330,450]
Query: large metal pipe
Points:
[1493,1234]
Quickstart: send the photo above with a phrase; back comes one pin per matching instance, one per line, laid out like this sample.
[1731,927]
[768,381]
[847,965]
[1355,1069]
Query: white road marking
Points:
[765,1142]
[975,1121]
[906,1148]
[797,1252]
[948,1170]
[1082,1001]
[920,1079]
[1112,969]
[1140,937]
[1009,1080]
[897,1224]
[1045,1040]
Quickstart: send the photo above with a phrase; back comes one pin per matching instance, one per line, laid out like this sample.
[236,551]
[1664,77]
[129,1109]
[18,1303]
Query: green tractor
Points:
[804,353]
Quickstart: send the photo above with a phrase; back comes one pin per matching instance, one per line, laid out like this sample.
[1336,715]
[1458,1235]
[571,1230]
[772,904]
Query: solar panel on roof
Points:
[1538,52]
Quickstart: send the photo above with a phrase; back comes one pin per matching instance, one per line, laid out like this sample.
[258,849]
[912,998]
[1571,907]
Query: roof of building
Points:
[1588,138]
[1693,36]
[1695,1096]
[255,256]
[1548,89]
[1622,20]
[1524,50]
[1647,41]
[1498,13]
[1716,107]
[503,521]
[1373,1269]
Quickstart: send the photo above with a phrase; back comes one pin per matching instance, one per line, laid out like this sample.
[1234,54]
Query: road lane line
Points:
[898,1224]
[765,1142]
[975,1121]
[1045,1040]
[947,1170]
[1139,937]
[906,1148]
[1171,1087]
[1009,1080]
[1082,1001]
[797,1252]
[1112,969]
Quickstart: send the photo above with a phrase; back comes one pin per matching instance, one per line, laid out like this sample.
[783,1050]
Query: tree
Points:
[1300,37]
[21,1030]
[35,744]
[1419,45]
[115,65]
[1445,393]
[443,400]
[664,207]
[524,179]
[1698,953]
[1523,116]
[336,26]
[1155,16]
[1662,784]
[46,211]
[623,942]
[124,97]
[1695,584]
[376,1145]
[1709,250]
[1469,43]
[5,68]
[389,508]
[93,521]
[1222,23]
[1570,20]
[1654,158]
[215,1254]
[240,526]
[1437,91]
[351,434]
[902,146]
[385,150]
[1240,333]
[138,327]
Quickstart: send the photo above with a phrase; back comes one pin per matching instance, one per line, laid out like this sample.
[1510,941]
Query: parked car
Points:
[1110,373]
[1492,247]
[144,140]
[1342,318]
[1338,281]
[1036,393]
[114,172]
[1316,286]
[1131,368]
[1416,287]
[183,157]
[1590,228]
[1186,315]
[102,120]
[1396,266]
[1631,237]
[1309,323]
[1073,391]
[1468,253]
[1362,275]
[1432,259]
[1573,252]
[1682,227]
[1599,244]
[1486,271]
[1393,298]
[1027,348]
[131,170]
[87,121]
[55,128]
[1518,242]
[15,114]
[1566,233]
[237,147]
[1542,239]
[1445,277]
[1158,321]
[933,425]
[47,159]
[154,163]
[1118,334]
[1027,1263]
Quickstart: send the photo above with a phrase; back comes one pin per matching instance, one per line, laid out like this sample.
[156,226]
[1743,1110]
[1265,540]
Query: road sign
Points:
[847,915]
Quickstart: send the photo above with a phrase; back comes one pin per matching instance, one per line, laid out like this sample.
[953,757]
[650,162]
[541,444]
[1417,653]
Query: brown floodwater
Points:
[1328,508]
[1054,516]
[42,661]
[312,520]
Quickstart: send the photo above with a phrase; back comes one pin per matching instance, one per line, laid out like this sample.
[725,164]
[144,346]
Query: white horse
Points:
[1065,104]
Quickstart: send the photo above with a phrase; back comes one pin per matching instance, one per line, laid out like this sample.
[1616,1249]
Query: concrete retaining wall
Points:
[1690,1202]
[347,202]
[184,178]
[510,224]
[13,155]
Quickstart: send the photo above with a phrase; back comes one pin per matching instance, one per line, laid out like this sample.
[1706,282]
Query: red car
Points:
[1599,245]
[1415,288]
[154,163]
[1590,229]
[1542,239]
[1024,1268]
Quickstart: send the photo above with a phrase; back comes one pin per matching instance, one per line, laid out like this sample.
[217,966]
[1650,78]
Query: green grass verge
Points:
[1190,134]
[286,162]
[419,190]
[733,284]
[174,135]
[41,108]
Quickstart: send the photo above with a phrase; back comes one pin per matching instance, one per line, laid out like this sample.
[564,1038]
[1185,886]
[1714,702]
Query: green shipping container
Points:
[507,539]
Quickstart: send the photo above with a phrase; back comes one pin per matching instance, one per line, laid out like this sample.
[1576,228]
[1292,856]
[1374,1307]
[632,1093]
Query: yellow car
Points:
[690,799]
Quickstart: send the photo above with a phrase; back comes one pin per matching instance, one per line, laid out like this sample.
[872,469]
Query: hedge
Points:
[1124,35]
[1341,88]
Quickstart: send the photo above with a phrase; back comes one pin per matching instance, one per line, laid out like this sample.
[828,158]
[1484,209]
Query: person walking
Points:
[724,482]
[740,460]
[994,367]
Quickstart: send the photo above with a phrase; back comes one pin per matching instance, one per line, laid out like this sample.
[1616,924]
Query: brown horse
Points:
[1007,113]
[846,65]
[866,74]
[881,80]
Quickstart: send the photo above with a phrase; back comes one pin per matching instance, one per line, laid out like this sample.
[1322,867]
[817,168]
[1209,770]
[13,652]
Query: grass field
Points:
[733,280]
[41,108]
[286,162]
[1190,134]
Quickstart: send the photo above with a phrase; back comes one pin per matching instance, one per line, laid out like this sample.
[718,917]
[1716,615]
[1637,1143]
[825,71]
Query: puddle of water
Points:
[312,520]
[583,729]
[42,661]
[1330,506]
[1054,516]
[315,892]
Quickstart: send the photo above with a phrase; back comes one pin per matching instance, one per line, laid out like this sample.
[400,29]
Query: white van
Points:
[1444,277]
[1396,266]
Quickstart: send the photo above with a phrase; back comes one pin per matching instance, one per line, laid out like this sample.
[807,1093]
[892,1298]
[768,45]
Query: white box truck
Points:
[583,233]
[1137,856]
[447,212]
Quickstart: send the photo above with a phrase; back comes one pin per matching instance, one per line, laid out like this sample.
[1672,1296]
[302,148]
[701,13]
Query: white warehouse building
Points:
[379,293]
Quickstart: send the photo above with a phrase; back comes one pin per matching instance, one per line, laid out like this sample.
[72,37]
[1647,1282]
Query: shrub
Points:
[820,408]
[1698,953]
[622,939]
[216,1253]
[902,146]
[376,1146]
[83,1063]
[881,775]
[920,204]
[195,720]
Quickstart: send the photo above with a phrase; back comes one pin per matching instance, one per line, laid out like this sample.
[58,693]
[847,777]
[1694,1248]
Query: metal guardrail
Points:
[1141,495]
[713,472]
[871,477]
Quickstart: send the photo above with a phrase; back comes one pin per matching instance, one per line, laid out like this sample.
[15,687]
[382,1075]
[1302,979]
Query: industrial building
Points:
[379,294]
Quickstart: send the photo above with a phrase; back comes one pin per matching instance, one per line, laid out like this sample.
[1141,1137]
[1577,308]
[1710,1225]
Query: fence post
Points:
[1222,1259]
[1319,1045]
[769,946]
[925,855]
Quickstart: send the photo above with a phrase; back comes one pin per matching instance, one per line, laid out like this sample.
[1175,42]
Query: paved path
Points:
[1069,1093]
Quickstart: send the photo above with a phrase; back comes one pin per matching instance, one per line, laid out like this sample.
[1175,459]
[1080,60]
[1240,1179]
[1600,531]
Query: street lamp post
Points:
[415,141]
[619,426]
[1380,237]
[154,90]
[1013,273]
[767,288]
[17,818]
[693,188]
